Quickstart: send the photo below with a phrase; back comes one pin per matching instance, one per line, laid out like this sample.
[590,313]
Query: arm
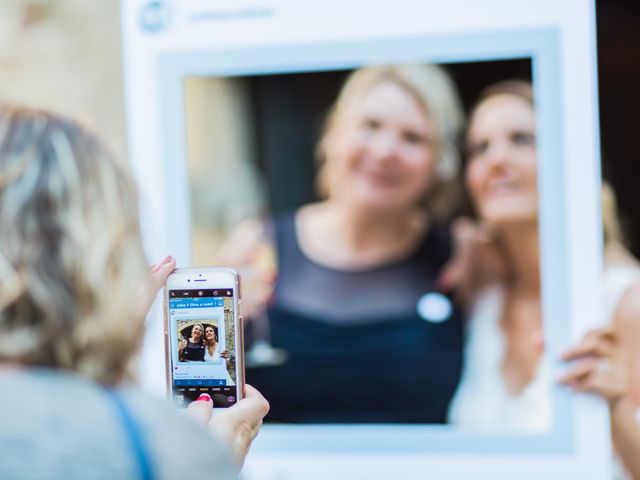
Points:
[182,344]
[625,432]
[604,365]
[250,250]
[477,260]
[624,426]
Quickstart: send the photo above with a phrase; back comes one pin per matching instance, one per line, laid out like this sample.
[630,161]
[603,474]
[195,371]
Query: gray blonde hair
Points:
[197,324]
[72,271]
[433,89]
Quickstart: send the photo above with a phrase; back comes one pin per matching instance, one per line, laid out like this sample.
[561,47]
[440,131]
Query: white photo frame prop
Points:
[166,41]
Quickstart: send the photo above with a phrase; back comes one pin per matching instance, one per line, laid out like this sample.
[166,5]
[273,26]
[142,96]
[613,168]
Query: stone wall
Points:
[65,55]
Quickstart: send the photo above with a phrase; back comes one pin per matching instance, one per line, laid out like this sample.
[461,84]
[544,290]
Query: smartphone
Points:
[203,336]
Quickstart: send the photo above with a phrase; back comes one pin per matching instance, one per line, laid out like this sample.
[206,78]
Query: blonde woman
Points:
[193,348]
[74,289]
[351,269]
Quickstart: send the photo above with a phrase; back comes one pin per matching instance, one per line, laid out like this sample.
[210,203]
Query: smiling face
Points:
[196,333]
[501,173]
[210,335]
[383,150]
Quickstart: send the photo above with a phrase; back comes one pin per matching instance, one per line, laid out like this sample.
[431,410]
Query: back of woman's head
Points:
[72,271]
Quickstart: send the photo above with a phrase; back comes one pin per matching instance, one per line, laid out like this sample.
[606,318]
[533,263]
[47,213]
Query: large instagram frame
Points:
[165,42]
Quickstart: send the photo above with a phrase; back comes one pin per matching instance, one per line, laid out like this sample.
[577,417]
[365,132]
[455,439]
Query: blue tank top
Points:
[357,349]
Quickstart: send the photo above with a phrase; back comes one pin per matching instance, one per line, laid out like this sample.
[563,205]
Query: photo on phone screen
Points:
[201,338]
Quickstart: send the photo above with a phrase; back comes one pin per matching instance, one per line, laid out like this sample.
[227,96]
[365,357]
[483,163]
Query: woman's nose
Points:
[386,145]
[498,154]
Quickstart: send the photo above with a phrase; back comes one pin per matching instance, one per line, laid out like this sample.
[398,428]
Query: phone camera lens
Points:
[188,280]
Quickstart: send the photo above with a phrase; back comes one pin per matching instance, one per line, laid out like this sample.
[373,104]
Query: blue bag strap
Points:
[134,434]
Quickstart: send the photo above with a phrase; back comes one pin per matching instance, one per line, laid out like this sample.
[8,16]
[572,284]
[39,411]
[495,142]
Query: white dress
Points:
[482,401]
[214,357]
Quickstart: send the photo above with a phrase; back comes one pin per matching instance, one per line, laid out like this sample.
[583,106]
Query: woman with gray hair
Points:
[74,288]
[193,348]
[367,339]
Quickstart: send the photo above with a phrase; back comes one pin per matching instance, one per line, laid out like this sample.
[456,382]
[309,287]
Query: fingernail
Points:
[166,260]
[203,398]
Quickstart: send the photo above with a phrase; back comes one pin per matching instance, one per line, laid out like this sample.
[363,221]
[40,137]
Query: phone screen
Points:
[202,345]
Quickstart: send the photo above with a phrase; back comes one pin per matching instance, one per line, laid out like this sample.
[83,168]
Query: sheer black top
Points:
[358,351]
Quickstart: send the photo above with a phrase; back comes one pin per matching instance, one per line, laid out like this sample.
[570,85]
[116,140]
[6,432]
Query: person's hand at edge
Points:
[598,366]
[159,273]
[236,426]
[476,260]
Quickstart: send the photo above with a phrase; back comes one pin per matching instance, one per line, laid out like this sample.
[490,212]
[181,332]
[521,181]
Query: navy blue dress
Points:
[357,349]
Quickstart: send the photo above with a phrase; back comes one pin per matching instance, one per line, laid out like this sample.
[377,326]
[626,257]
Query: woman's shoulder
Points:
[621,283]
[92,439]
[176,439]
[626,315]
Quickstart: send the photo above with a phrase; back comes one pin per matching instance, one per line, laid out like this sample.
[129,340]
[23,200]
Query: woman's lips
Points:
[383,179]
[502,186]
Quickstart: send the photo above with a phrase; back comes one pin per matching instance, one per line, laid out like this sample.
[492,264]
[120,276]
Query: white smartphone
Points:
[203,336]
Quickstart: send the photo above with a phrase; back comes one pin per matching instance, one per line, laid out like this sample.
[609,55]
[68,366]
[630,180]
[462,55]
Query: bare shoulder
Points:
[627,314]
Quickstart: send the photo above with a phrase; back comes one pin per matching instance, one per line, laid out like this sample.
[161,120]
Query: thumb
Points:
[201,409]
[160,272]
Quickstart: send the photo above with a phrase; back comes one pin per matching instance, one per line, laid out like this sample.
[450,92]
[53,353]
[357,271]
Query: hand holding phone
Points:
[203,336]
[237,426]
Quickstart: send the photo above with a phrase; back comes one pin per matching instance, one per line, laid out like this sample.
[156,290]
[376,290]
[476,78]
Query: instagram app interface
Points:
[202,340]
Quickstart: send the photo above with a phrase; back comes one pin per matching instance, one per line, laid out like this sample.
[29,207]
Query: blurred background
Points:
[65,55]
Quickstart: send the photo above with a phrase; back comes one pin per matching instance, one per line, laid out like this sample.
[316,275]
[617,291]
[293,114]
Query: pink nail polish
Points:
[203,398]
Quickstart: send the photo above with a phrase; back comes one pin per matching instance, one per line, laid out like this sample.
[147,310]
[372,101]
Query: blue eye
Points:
[523,138]
[371,124]
[478,148]
[414,138]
